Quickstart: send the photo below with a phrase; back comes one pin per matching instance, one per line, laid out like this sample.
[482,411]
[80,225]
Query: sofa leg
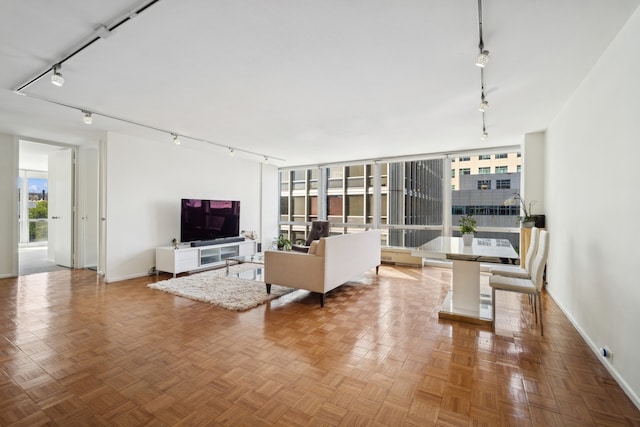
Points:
[321,300]
[377,267]
[268,288]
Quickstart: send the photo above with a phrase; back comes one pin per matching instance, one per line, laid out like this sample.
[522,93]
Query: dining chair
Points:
[318,230]
[531,286]
[516,271]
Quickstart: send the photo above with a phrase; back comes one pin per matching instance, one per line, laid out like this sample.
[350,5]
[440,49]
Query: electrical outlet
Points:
[605,352]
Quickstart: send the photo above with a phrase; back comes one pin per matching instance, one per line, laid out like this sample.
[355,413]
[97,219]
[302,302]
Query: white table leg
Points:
[466,287]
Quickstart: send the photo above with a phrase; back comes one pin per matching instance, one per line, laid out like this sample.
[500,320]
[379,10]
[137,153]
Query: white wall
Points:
[145,181]
[9,206]
[533,176]
[270,204]
[592,199]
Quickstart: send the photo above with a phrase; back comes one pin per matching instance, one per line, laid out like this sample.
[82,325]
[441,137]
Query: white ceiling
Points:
[304,80]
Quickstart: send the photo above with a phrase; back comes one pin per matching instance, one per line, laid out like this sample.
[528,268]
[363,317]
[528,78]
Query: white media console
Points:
[187,258]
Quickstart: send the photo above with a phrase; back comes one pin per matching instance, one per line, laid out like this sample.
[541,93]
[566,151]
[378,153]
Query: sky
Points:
[36,185]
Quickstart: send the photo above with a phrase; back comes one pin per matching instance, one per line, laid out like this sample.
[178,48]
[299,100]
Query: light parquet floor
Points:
[76,351]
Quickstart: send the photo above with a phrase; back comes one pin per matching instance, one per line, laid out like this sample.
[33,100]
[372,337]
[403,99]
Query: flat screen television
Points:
[209,219]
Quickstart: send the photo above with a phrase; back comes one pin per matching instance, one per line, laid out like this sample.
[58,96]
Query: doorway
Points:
[46,206]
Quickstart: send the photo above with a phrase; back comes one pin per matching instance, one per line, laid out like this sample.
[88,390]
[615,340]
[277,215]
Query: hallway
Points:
[34,260]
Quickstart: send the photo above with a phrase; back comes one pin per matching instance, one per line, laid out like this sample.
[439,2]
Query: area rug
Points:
[227,291]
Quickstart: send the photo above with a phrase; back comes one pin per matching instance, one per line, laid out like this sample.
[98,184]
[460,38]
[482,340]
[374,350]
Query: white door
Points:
[87,208]
[61,207]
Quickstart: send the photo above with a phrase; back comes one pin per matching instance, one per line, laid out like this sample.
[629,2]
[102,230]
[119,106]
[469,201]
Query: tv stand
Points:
[191,259]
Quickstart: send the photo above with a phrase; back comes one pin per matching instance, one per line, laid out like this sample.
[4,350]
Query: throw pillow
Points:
[313,247]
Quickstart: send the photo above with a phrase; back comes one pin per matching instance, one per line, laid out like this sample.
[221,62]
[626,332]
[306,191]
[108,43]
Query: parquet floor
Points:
[74,351]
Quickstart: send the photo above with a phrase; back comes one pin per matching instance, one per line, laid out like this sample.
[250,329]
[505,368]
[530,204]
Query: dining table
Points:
[466,301]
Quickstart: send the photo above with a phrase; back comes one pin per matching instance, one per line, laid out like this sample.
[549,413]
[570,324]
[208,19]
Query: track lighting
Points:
[485,135]
[231,152]
[56,77]
[87,117]
[482,59]
[266,160]
[176,139]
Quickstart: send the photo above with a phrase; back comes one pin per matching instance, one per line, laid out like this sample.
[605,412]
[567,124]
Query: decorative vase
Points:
[467,239]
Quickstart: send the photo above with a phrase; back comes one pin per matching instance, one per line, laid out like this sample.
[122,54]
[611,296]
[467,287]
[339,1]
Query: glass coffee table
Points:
[255,274]
[257,258]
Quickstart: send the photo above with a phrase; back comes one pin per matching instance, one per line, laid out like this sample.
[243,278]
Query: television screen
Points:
[209,219]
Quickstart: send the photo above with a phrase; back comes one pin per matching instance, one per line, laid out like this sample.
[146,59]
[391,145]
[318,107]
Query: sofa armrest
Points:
[294,269]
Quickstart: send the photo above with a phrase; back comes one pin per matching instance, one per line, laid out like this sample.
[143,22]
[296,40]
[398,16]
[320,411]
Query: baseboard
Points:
[127,277]
[596,350]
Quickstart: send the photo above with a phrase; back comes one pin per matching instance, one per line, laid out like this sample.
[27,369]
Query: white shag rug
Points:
[230,292]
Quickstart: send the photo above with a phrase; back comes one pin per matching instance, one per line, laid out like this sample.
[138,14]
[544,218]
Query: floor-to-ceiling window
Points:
[411,201]
[298,202]
[415,208]
[484,185]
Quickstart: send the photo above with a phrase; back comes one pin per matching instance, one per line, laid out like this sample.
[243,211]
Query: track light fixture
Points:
[485,135]
[482,59]
[87,119]
[176,139]
[231,152]
[56,77]
[266,160]
[483,104]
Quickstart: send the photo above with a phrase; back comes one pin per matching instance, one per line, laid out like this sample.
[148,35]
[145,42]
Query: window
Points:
[484,184]
[458,210]
[298,179]
[355,176]
[503,184]
[284,181]
[298,206]
[412,207]
[33,203]
[336,177]
[481,191]
[335,207]
[355,209]
[313,179]
[519,168]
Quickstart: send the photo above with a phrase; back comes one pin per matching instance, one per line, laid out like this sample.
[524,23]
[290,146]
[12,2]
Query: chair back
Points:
[540,260]
[533,248]
[318,229]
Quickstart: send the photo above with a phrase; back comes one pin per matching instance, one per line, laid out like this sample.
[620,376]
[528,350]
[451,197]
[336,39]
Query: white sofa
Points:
[331,261]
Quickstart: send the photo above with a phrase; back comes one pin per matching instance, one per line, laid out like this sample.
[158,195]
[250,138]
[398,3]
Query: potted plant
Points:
[283,243]
[527,220]
[468,228]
